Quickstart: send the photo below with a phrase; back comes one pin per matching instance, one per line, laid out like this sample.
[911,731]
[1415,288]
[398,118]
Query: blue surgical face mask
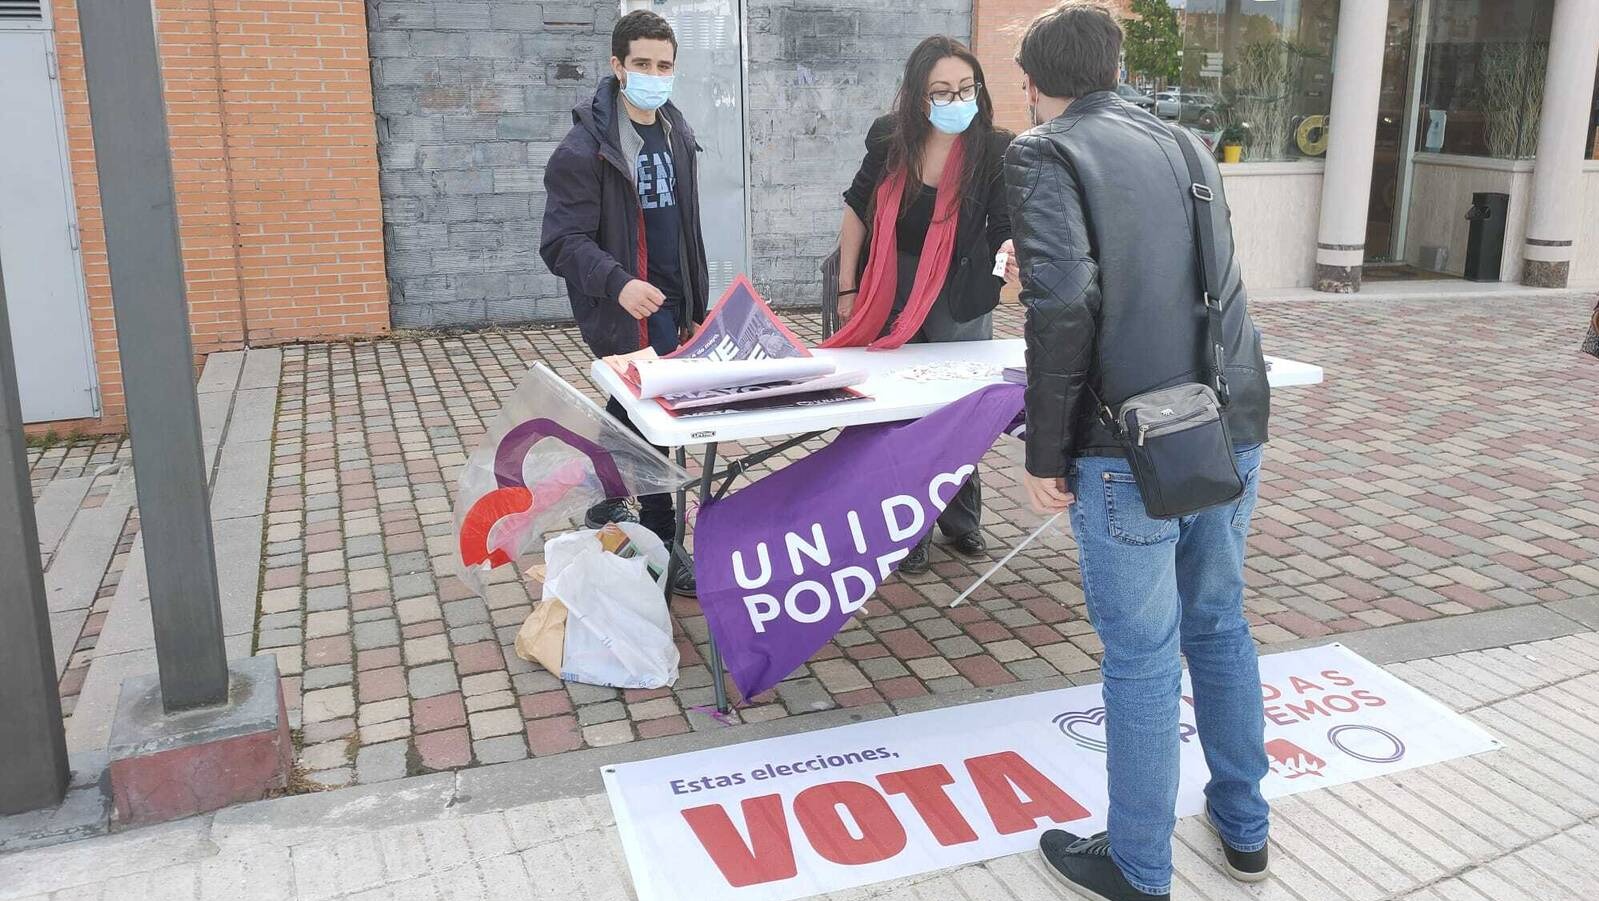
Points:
[648,92]
[953,118]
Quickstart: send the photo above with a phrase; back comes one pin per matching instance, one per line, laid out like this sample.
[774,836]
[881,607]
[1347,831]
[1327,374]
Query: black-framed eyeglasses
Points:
[945,98]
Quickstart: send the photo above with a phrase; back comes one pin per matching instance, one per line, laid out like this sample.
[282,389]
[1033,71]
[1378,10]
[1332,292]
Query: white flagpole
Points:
[1006,559]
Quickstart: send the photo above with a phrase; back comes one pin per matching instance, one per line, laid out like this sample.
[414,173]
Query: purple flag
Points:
[784,563]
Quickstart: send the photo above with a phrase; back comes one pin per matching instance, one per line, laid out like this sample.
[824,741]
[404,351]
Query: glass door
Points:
[1396,109]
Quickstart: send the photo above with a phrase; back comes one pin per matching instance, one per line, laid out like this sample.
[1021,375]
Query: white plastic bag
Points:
[618,630]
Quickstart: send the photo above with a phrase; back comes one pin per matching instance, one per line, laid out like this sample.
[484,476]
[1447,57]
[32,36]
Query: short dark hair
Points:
[639,24]
[1072,50]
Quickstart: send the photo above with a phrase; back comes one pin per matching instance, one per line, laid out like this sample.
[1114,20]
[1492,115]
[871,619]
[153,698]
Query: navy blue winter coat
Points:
[594,227]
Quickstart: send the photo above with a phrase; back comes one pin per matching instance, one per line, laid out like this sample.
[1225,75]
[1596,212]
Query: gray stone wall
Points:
[819,72]
[471,98]
[473,95]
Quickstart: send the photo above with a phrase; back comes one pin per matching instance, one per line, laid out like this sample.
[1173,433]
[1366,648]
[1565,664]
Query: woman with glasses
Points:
[923,221]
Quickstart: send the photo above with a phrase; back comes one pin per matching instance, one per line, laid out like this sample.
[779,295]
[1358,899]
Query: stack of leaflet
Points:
[687,386]
[742,358]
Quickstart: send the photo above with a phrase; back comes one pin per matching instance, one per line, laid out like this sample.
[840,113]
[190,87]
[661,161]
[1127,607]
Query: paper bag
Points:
[542,638]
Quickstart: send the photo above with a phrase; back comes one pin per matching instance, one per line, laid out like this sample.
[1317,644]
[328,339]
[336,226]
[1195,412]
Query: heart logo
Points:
[1084,727]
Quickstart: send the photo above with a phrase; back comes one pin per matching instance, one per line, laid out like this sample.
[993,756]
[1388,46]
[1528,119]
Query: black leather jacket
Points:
[1103,224]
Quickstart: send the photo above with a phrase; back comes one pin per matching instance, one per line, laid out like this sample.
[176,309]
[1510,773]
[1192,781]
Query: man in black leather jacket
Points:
[1101,211]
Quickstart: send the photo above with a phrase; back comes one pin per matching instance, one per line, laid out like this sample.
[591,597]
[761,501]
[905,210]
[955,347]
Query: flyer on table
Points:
[822,811]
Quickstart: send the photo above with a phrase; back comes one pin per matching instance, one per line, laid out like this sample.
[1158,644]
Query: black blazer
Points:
[984,223]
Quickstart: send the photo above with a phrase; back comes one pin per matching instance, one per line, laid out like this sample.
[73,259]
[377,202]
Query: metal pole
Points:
[33,743]
[707,470]
[134,161]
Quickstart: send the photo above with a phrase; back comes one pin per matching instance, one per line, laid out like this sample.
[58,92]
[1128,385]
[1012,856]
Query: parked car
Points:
[1182,104]
[1134,96]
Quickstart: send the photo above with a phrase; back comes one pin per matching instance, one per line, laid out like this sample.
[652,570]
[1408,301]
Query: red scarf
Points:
[878,287]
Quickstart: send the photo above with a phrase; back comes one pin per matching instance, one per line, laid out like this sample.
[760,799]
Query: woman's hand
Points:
[846,304]
[1013,272]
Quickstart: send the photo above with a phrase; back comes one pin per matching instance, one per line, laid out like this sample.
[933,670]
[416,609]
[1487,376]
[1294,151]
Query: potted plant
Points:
[1232,143]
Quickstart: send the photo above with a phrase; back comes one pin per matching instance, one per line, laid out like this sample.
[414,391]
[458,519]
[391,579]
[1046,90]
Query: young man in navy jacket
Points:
[622,223]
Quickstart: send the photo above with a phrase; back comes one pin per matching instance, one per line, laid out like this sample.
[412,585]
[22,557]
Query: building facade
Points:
[345,165]
[269,108]
[1369,126]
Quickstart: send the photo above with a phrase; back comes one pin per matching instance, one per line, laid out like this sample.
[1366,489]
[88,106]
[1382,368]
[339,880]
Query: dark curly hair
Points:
[640,24]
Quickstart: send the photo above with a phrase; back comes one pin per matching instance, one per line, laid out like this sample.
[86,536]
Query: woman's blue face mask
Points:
[953,118]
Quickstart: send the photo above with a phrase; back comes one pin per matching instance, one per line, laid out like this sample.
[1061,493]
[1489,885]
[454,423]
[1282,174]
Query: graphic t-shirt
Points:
[663,222]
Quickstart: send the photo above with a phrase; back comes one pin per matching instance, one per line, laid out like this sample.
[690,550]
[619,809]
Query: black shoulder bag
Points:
[1176,438]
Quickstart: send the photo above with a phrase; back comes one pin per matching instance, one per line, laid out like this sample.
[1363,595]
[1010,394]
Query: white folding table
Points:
[891,397]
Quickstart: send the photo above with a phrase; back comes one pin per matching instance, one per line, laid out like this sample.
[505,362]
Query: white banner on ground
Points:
[821,811]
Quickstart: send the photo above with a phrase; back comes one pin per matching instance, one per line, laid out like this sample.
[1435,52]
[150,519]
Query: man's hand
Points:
[640,298]
[1013,272]
[1047,495]
[686,333]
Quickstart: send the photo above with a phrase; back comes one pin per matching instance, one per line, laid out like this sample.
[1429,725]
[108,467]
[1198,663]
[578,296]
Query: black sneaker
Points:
[972,544]
[1244,866]
[1085,863]
[683,582]
[606,512]
[916,562]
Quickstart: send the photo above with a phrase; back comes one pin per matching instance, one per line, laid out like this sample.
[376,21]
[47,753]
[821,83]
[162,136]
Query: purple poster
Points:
[784,563]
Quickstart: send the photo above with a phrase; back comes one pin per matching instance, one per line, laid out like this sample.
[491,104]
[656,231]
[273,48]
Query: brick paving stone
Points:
[428,649]
[327,704]
[433,679]
[839,676]
[378,658]
[444,750]
[326,676]
[608,734]
[553,735]
[439,712]
[931,667]
[883,668]
[804,695]
[606,712]
[382,732]
[325,756]
[381,762]
[381,684]
[384,711]
[482,657]
[501,749]
[548,703]
[901,688]
[493,723]
[380,634]
[983,671]
[660,728]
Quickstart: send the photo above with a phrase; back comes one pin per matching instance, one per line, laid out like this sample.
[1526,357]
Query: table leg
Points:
[718,682]
[673,552]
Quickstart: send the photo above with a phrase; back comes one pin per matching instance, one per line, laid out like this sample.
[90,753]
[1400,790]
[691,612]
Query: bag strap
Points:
[1206,260]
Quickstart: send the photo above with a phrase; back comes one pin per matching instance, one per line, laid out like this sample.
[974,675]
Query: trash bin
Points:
[1485,247]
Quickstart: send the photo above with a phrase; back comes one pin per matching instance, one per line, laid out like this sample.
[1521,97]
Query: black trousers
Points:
[964,515]
[656,511]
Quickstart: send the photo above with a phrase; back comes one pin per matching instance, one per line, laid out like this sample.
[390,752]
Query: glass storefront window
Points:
[1257,73]
[1482,87]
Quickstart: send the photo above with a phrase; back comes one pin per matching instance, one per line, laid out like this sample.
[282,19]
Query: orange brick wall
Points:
[274,158]
[997,27]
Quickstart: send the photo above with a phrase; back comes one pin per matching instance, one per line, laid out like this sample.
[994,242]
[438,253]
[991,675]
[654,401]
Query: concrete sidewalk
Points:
[1517,823]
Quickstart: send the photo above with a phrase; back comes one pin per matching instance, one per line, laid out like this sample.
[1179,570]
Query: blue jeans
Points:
[1156,587]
